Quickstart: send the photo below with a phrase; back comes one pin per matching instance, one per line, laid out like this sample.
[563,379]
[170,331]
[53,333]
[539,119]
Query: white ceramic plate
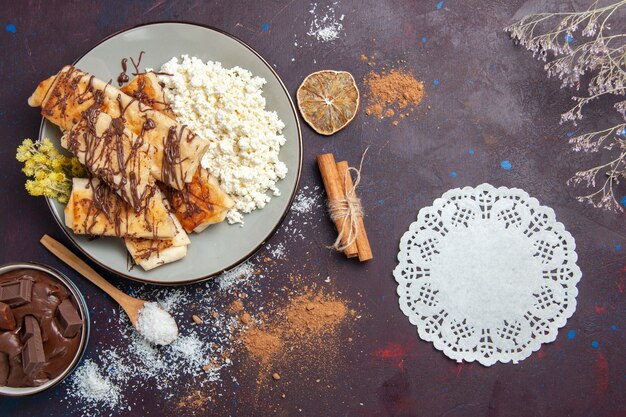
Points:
[220,247]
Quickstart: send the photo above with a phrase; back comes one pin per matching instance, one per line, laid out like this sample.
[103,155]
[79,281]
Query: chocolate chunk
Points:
[16,293]
[7,320]
[33,356]
[69,319]
[31,327]
[4,369]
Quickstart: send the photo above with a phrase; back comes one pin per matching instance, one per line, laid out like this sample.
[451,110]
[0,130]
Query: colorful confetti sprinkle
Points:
[11,28]
[506,165]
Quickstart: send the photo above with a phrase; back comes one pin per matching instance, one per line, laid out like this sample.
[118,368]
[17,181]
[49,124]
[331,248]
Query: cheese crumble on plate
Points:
[227,107]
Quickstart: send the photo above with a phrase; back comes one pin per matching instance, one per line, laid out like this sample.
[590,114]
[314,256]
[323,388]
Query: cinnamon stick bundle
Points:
[338,184]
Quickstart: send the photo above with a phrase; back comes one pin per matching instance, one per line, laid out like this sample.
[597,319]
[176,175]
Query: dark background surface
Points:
[492,98]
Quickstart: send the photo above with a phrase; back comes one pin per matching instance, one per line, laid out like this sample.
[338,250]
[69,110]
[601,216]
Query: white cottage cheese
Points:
[227,107]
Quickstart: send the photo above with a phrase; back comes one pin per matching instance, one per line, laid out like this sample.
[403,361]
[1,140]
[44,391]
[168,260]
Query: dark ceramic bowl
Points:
[79,301]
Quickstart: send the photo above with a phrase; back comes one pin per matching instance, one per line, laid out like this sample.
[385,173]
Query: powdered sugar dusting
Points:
[306,201]
[92,387]
[276,251]
[325,26]
[126,360]
[235,276]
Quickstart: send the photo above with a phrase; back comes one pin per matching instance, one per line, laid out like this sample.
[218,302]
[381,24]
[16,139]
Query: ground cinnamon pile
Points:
[392,93]
[262,344]
[314,313]
[195,401]
[297,328]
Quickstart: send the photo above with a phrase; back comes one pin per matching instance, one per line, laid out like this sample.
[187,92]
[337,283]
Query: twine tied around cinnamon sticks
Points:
[345,207]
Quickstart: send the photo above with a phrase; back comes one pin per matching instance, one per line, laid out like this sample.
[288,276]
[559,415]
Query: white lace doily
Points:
[487,274]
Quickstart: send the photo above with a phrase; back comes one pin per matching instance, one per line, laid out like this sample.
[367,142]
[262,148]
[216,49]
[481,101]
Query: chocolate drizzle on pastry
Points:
[65,97]
[114,154]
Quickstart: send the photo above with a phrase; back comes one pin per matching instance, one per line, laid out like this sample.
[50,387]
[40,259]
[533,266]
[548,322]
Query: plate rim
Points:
[280,221]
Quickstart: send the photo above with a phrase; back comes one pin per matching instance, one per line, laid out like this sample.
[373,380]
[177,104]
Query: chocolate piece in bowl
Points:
[31,326]
[33,356]
[69,319]
[46,326]
[7,319]
[4,368]
[16,293]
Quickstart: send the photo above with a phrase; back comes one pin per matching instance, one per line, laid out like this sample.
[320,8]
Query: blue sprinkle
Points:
[506,165]
[440,5]
[571,334]
[265,26]
[624,201]
[595,344]
[436,82]
[381,202]
[494,66]
[11,28]
[424,39]
[618,247]
[613,327]
[570,134]
[453,174]
[569,38]
[471,152]
[623,133]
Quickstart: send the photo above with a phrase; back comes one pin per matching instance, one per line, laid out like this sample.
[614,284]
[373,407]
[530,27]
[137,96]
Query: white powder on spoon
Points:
[156,324]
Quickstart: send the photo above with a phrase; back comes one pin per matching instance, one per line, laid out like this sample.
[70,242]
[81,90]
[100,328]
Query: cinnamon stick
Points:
[346,184]
[334,190]
[362,242]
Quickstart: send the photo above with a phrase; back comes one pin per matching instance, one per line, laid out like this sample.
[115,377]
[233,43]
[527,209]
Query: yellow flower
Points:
[24,150]
[51,171]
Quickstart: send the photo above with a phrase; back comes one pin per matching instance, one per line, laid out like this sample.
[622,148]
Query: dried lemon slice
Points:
[328,100]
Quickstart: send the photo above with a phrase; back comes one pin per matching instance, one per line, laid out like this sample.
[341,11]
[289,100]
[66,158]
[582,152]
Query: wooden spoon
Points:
[132,306]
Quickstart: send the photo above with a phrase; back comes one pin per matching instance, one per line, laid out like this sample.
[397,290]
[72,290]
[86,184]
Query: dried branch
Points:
[603,56]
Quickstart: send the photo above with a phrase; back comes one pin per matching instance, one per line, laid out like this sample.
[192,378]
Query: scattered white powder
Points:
[127,361]
[307,212]
[136,372]
[326,27]
[276,251]
[227,107]
[305,202]
[235,276]
[156,324]
[88,384]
